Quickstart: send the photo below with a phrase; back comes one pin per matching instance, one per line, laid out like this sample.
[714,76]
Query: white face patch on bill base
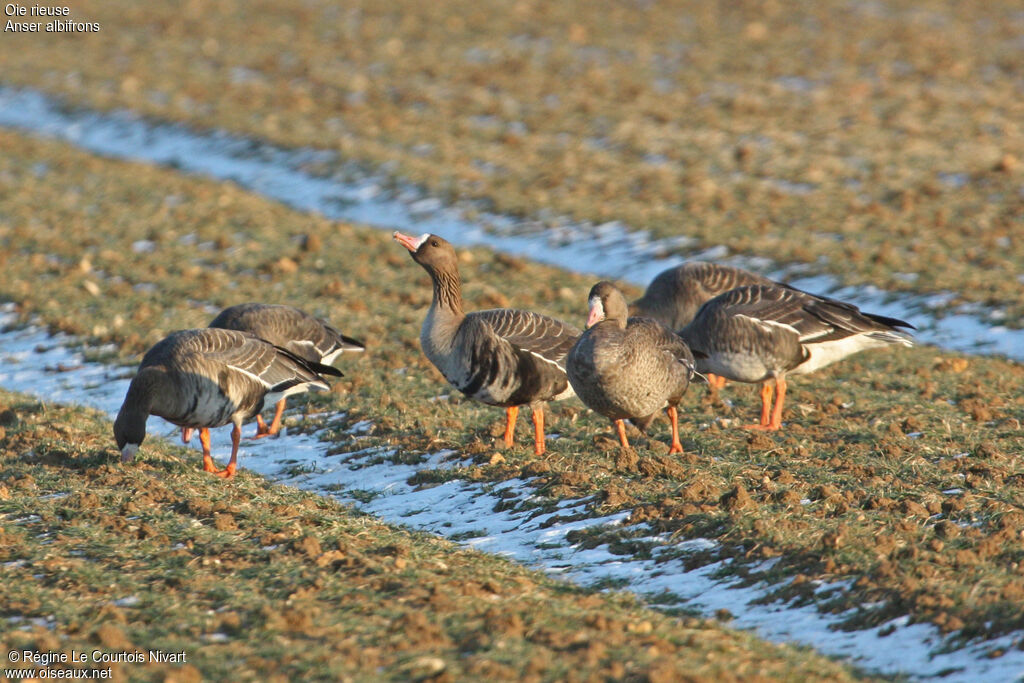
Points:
[129,451]
[596,311]
[410,243]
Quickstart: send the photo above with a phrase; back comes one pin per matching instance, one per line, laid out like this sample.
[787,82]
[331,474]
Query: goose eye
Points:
[434,243]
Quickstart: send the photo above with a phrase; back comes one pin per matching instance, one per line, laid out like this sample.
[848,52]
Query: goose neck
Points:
[447,292]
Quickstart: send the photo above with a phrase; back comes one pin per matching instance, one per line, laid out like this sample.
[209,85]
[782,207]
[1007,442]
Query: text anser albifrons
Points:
[501,357]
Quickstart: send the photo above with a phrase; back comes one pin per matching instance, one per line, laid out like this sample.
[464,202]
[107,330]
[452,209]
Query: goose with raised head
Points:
[305,335]
[761,333]
[628,368]
[675,294]
[502,357]
[205,378]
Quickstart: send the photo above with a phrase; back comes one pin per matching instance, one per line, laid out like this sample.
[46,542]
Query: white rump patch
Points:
[826,353]
[332,356]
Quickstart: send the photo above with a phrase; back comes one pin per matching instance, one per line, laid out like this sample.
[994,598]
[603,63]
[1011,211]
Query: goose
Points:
[628,368]
[761,333]
[501,357]
[304,335]
[204,378]
[675,295]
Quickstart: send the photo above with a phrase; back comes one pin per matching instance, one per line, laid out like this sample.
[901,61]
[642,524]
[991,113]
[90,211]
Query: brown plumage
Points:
[502,357]
[628,368]
[761,333]
[199,379]
[676,294]
[304,335]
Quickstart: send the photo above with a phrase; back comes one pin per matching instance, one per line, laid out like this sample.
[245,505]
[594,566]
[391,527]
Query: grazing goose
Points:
[304,335]
[199,379]
[675,295]
[761,333]
[628,369]
[501,357]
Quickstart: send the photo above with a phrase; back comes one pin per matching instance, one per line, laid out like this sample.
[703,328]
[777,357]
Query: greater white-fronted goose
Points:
[761,333]
[675,294]
[501,357]
[628,369]
[304,335]
[199,379]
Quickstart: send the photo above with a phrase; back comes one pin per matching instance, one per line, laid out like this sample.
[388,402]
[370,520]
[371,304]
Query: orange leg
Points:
[208,464]
[236,437]
[511,414]
[715,382]
[780,398]
[620,427]
[261,427]
[673,417]
[538,430]
[186,434]
[766,406]
[771,419]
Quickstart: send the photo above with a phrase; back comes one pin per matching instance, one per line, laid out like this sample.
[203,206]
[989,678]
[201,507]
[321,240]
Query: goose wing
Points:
[547,338]
[815,319]
[769,307]
[243,355]
[303,334]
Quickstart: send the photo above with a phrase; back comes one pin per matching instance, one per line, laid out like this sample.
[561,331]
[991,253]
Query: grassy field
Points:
[900,472]
[882,141]
[260,582]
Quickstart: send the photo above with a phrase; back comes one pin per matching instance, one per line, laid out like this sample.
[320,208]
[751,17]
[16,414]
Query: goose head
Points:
[129,431]
[606,303]
[434,253]
[130,424]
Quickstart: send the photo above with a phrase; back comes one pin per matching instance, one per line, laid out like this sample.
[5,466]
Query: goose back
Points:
[675,294]
[304,335]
